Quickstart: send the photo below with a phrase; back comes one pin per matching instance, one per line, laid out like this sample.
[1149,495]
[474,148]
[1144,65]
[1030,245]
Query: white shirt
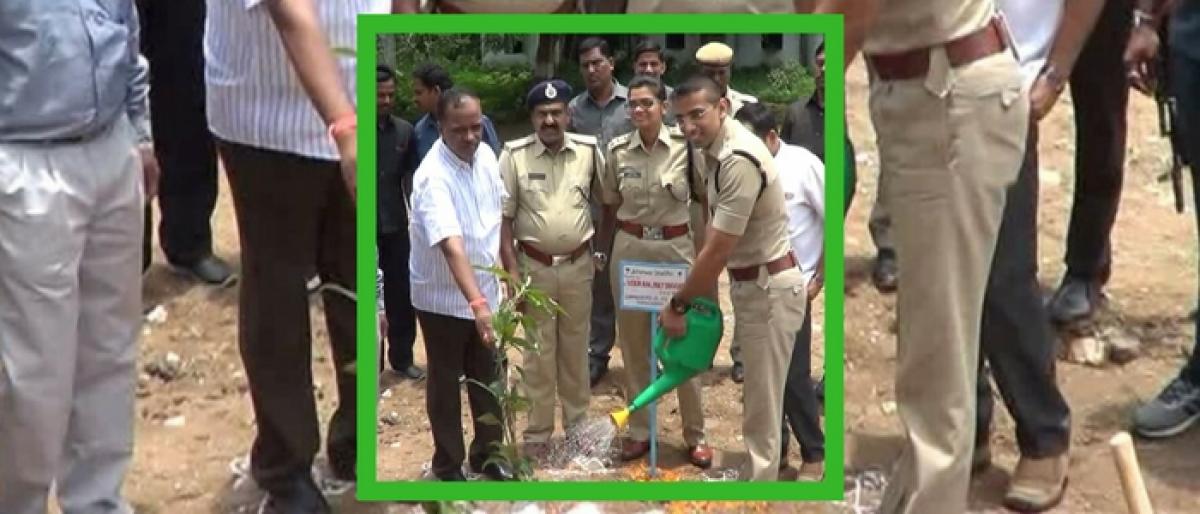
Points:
[453,198]
[254,96]
[802,176]
[1034,24]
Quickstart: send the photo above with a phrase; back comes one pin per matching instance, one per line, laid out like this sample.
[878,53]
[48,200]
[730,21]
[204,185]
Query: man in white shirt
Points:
[456,201]
[1016,341]
[802,177]
[280,103]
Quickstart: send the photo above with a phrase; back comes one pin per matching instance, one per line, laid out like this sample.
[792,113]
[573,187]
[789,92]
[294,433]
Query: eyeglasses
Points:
[695,114]
[642,103]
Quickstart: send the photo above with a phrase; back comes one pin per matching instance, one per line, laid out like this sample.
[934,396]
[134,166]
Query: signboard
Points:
[648,286]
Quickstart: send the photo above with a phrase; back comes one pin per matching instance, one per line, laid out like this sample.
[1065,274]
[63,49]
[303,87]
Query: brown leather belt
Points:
[653,233]
[750,273]
[551,260]
[914,63]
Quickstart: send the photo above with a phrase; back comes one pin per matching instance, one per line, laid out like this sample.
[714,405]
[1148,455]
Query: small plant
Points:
[515,332]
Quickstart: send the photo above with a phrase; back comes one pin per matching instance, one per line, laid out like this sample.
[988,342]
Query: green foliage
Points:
[501,90]
[516,332]
[777,85]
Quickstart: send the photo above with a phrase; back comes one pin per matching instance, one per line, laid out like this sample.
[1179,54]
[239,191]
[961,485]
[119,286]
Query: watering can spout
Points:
[671,378]
[619,417]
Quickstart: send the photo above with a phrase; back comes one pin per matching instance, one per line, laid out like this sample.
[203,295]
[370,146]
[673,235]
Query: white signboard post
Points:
[647,287]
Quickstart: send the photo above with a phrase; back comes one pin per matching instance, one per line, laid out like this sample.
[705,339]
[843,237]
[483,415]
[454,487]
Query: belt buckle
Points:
[555,260]
[652,233]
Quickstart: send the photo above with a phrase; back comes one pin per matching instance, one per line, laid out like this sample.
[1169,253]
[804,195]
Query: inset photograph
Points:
[601,257]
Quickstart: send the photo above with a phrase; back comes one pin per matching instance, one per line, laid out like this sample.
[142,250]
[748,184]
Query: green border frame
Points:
[369,486]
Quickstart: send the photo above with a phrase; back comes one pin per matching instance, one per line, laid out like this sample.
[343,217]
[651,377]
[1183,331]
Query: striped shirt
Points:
[454,198]
[254,96]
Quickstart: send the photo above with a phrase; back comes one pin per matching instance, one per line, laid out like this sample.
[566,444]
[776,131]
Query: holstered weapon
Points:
[1167,113]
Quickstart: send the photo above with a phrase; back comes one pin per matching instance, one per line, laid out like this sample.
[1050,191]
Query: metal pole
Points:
[654,404]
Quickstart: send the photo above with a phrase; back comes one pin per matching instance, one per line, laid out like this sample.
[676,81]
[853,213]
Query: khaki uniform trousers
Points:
[560,365]
[951,143]
[633,336]
[767,314]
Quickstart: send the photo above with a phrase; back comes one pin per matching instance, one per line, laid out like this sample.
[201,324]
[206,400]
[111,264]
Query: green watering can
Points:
[682,358]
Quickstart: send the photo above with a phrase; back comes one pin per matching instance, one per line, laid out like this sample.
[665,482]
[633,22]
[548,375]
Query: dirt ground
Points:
[192,426]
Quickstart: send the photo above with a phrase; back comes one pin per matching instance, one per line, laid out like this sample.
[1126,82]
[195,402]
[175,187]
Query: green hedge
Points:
[502,90]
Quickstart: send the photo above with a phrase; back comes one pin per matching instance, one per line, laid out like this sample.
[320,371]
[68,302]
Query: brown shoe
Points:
[1037,484]
[811,472]
[633,450]
[701,456]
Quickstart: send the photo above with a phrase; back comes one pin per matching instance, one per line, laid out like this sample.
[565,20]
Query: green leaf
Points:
[488,419]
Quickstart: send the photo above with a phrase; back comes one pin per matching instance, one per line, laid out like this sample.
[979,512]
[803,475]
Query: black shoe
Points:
[1076,299]
[410,372]
[884,274]
[497,471]
[209,269]
[453,476]
[300,496]
[597,370]
[738,373]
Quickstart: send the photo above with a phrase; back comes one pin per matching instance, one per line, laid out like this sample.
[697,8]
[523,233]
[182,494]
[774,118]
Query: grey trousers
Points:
[70,311]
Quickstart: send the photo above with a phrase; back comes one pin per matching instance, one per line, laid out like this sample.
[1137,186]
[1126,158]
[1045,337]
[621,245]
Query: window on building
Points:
[772,42]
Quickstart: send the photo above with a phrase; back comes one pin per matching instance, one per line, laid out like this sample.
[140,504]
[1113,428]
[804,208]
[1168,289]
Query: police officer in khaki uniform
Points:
[546,235]
[716,60]
[951,116]
[646,181]
[747,231]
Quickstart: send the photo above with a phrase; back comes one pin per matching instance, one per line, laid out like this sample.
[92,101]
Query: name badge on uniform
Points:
[537,176]
[628,172]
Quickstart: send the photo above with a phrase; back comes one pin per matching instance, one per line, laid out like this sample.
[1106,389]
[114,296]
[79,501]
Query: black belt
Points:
[71,140]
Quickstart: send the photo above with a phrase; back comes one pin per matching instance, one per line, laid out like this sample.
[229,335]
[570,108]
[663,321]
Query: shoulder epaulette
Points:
[582,139]
[622,139]
[519,143]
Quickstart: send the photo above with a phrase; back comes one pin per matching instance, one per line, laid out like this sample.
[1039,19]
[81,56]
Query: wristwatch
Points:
[678,305]
[1143,18]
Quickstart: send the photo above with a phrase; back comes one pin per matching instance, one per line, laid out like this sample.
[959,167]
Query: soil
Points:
[187,468]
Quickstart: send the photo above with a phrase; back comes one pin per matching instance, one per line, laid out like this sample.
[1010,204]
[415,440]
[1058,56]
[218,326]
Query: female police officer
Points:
[646,189]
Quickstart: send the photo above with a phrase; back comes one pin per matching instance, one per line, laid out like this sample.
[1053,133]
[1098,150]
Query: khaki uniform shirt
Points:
[650,184]
[939,21]
[711,6]
[548,192]
[734,183]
